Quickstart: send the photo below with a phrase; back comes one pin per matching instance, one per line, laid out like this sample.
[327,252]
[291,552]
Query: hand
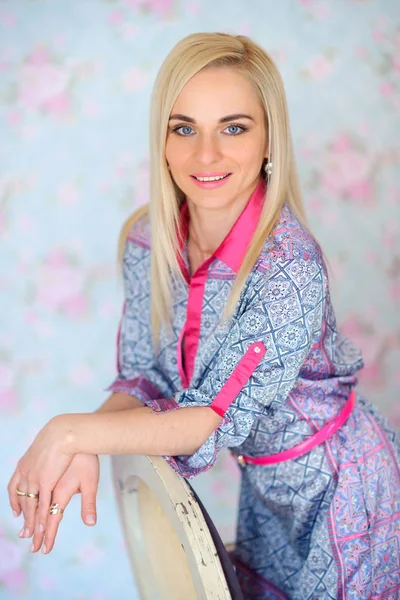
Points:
[38,472]
[82,476]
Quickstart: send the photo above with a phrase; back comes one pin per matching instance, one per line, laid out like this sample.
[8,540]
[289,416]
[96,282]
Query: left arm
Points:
[137,431]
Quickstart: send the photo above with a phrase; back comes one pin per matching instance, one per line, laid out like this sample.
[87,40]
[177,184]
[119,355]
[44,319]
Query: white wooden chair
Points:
[171,549]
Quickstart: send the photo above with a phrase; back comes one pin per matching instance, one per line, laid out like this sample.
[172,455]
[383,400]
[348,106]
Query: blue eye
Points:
[182,127]
[236,127]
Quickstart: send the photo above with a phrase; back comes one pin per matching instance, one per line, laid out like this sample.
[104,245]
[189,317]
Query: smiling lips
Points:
[210,180]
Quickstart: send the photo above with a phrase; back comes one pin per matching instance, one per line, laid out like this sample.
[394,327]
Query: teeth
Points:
[210,178]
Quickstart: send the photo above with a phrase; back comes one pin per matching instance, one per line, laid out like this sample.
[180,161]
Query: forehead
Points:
[215,92]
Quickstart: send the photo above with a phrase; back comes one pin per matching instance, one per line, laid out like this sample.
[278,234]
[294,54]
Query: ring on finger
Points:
[55,509]
[27,494]
[32,495]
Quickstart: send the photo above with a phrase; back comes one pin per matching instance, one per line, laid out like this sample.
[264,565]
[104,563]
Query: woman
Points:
[228,339]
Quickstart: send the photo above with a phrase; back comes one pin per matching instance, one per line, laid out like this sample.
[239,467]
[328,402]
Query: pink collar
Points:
[233,248]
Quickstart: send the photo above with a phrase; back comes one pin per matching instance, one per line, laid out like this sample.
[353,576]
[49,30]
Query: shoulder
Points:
[139,232]
[138,238]
[290,240]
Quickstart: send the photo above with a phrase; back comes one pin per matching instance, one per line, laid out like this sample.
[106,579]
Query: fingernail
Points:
[32,547]
[26,533]
[91,519]
[15,513]
[21,533]
[44,549]
[41,528]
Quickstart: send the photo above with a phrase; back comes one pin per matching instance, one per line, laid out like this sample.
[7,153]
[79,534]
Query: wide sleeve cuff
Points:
[231,432]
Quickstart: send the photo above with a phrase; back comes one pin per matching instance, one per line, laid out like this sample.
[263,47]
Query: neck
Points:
[208,227]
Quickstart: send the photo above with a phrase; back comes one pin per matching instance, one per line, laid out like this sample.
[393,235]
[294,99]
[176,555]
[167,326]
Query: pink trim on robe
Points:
[231,251]
[240,376]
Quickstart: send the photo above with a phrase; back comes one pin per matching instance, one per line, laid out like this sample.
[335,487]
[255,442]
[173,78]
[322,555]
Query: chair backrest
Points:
[171,550]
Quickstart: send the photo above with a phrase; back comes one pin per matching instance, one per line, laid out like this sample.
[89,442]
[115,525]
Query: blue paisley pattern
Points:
[325,525]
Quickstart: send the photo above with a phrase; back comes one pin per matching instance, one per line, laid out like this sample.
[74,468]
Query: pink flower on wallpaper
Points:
[2,220]
[116,17]
[193,8]
[391,235]
[91,108]
[60,285]
[9,398]
[347,172]
[58,105]
[336,270]
[135,79]
[394,292]
[396,63]
[14,118]
[81,375]
[12,574]
[386,89]
[90,553]
[318,10]
[68,193]
[341,143]
[372,345]
[394,413]
[159,7]
[319,67]
[7,19]
[43,85]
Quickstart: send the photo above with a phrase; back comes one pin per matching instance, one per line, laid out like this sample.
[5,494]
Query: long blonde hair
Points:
[192,54]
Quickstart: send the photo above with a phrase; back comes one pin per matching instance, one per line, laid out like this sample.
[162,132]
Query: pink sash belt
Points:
[323,434]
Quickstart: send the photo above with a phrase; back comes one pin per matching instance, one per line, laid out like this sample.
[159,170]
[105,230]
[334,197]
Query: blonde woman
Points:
[228,339]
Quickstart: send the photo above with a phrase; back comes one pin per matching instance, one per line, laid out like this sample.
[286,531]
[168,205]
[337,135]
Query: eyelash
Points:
[244,129]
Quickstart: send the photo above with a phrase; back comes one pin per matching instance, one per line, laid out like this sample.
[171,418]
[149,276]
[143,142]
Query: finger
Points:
[23,486]
[13,497]
[42,513]
[88,503]
[30,508]
[53,521]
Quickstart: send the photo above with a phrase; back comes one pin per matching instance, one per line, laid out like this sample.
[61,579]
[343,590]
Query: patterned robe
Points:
[327,524]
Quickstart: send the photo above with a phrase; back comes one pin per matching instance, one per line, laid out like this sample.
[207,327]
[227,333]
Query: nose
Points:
[208,149]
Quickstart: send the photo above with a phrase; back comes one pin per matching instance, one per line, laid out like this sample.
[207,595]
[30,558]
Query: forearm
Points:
[139,431]
[119,401]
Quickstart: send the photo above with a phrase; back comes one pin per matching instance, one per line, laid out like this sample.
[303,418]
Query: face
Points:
[216,128]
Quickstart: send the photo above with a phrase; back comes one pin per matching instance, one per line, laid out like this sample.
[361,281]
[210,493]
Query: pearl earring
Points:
[268,168]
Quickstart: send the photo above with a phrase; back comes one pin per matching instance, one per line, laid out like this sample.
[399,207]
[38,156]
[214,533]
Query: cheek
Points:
[247,155]
[174,151]
[246,150]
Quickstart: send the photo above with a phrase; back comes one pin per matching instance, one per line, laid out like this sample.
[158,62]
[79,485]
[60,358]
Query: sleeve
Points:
[137,372]
[259,361]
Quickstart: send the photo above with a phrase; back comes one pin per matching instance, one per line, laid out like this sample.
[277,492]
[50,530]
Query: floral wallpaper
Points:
[75,83]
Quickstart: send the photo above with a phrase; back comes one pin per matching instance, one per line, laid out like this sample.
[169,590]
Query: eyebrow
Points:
[179,117]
